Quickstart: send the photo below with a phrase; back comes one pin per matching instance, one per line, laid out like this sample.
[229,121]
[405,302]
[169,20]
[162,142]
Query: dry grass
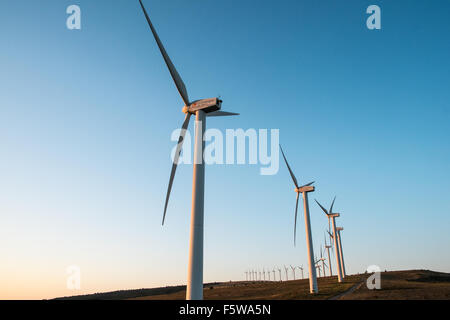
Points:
[407,285]
[286,290]
[398,285]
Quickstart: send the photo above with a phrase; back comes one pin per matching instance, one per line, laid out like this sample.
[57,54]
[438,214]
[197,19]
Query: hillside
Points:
[414,284]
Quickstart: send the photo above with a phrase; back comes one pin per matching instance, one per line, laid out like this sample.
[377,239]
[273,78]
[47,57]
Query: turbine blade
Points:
[332,204]
[331,236]
[307,185]
[175,161]
[221,114]
[324,210]
[329,224]
[173,71]
[295,221]
[289,168]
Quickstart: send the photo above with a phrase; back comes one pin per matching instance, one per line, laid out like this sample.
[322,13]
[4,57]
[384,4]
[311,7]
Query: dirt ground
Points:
[407,285]
[286,290]
[396,285]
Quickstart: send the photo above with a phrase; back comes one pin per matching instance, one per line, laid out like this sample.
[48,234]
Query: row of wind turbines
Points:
[321,266]
[258,275]
[202,109]
[333,230]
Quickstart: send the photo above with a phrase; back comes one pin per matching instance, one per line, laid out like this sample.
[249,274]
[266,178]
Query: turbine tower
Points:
[201,109]
[341,253]
[274,279]
[286,269]
[318,267]
[293,271]
[327,247]
[304,190]
[323,261]
[331,217]
[301,268]
[279,271]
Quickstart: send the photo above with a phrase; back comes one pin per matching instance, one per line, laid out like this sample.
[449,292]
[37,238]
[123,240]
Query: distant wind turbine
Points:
[341,253]
[286,269]
[332,216]
[328,247]
[323,261]
[201,109]
[293,271]
[301,268]
[304,190]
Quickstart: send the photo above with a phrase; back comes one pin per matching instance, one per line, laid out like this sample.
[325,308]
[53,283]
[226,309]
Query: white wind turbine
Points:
[201,108]
[304,190]
[274,279]
[331,217]
[323,261]
[293,271]
[279,271]
[328,247]
[341,253]
[268,274]
[301,268]
[264,274]
[286,269]
[318,268]
[246,275]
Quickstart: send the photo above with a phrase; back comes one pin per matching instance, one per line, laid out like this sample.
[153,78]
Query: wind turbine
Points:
[246,275]
[279,271]
[268,273]
[301,268]
[332,216]
[202,109]
[327,247]
[341,253]
[286,269]
[304,190]
[264,274]
[323,261]
[274,279]
[259,275]
[318,267]
[293,271]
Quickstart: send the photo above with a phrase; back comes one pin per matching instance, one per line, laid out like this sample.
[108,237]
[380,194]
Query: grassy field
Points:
[415,284]
[286,290]
[407,285]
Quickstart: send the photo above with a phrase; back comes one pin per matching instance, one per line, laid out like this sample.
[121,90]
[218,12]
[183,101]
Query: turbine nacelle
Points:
[334,215]
[339,229]
[207,105]
[305,189]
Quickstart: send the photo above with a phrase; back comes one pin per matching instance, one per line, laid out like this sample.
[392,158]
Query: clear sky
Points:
[86,118]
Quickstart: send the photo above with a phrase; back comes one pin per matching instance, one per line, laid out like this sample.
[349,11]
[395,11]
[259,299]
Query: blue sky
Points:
[86,117]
